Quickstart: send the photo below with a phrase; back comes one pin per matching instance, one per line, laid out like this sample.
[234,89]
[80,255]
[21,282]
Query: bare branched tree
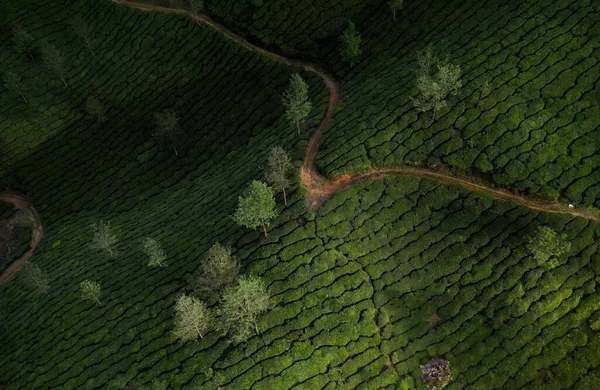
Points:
[104,238]
[83,30]
[54,61]
[22,40]
[167,128]
[34,277]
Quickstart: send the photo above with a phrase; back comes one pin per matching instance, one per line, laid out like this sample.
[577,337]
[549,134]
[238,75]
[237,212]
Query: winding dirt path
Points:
[20,201]
[319,188]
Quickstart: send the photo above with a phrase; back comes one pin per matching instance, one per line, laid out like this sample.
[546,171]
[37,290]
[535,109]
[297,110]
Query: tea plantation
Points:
[386,275]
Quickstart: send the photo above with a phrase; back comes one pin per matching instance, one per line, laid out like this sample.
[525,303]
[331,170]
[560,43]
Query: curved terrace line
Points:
[19,201]
[319,188]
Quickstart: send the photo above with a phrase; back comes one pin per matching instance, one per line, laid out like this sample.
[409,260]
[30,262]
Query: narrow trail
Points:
[19,201]
[319,188]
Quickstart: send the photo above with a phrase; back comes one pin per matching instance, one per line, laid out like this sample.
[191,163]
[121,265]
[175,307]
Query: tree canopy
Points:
[241,306]
[257,207]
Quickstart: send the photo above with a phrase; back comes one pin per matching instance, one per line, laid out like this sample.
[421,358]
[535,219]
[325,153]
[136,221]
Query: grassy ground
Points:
[356,286]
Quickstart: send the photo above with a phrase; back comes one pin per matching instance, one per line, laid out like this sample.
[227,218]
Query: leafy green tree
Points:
[192,318]
[83,30]
[546,244]
[157,384]
[295,100]
[435,89]
[241,305]
[168,129]
[22,40]
[95,108]
[257,207]
[395,5]
[54,61]
[13,83]
[196,5]
[485,90]
[278,167]
[34,277]
[104,238]
[156,255]
[90,290]
[219,272]
[350,44]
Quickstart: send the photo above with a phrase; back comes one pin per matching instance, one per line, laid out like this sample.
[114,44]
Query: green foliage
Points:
[546,243]
[158,384]
[350,44]
[295,100]
[256,207]
[22,40]
[90,290]
[192,318]
[241,305]
[219,271]
[168,130]
[81,28]
[156,254]
[13,83]
[278,167]
[104,238]
[34,277]
[395,6]
[54,61]
[435,89]
[197,5]
[96,109]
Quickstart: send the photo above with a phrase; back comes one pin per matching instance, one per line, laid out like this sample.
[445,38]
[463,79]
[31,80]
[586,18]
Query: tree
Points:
[22,40]
[104,238]
[436,373]
[241,306]
[219,272]
[167,128]
[196,5]
[84,31]
[54,61]
[278,166]
[257,207]
[295,100]
[95,108]
[350,45]
[34,277]
[395,5]
[157,384]
[192,318]
[435,89]
[546,244]
[156,255]
[13,82]
[90,290]
[485,90]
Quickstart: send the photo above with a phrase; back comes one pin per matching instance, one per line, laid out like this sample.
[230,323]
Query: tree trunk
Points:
[23,96]
[394,13]
[284,197]
[91,51]
[298,126]
[175,149]
[256,327]
[30,55]
[480,95]
[97,300]
[264,227]
[64,81]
